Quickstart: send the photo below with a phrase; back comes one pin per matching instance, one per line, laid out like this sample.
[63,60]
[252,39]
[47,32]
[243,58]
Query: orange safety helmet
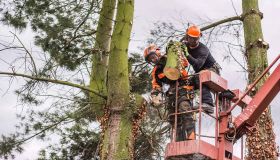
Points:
[151,50]
[193,31]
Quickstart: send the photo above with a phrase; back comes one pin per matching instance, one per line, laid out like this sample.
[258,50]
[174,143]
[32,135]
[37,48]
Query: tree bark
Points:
[101,49]
[260,142]
[116,143]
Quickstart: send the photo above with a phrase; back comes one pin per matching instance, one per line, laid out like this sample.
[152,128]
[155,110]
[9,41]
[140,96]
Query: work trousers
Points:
[185,122]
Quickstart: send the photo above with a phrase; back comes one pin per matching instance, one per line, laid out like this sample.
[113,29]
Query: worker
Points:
[185,122]
[199,56]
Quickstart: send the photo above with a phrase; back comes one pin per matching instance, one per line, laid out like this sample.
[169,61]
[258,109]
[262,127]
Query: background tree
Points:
[65,28]
[71,116]
[66,31]
[260,142]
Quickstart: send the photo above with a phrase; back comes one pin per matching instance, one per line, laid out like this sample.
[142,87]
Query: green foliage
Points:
[64,28]
[77,142]
[152,135]
[72,123]
[8,146]
[16,21]
[139,74]
[27,98]
[71,119]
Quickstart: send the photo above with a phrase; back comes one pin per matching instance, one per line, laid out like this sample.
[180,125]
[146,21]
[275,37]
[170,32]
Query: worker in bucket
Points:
[185,122]
[200,58]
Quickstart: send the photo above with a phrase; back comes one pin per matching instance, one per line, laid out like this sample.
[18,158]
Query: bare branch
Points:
[236,60]
[221,22]
[32,60]
[233,7]
[7,48]
[230,19]
[82,23]
[53,81]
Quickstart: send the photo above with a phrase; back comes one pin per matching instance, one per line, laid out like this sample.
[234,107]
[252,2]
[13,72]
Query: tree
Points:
[64,36]
[100,56]
[65,28]
[260,142]
[116,142]
[72,121]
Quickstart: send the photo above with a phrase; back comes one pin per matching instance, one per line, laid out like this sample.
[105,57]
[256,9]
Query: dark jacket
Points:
[200,58]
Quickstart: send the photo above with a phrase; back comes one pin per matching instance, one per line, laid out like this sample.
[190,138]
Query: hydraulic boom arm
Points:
[258,104]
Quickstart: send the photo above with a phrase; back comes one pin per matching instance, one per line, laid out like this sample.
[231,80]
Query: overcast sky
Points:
[148,12]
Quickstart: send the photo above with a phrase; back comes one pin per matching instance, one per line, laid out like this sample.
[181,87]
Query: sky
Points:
[148,12]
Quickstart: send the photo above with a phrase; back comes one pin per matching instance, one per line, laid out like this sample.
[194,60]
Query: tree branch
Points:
[40,132]
[217,23]
[236,60]
[7,48]
[53,81]
[221,22]
[32,60]
[82,23]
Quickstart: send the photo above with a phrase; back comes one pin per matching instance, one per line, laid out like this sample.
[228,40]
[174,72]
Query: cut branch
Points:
[53,81]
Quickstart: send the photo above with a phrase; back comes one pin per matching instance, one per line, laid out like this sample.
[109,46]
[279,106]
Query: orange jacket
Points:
[158,76]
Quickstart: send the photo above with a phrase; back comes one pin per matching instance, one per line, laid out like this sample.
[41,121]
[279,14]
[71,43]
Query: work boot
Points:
[207,108]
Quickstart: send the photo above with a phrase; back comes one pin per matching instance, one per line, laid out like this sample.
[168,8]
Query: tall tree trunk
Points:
[260,142]
[100,55]
[116,142]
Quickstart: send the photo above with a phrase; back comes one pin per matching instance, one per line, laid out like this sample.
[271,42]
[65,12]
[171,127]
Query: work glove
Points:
[185,50]
[156,98]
